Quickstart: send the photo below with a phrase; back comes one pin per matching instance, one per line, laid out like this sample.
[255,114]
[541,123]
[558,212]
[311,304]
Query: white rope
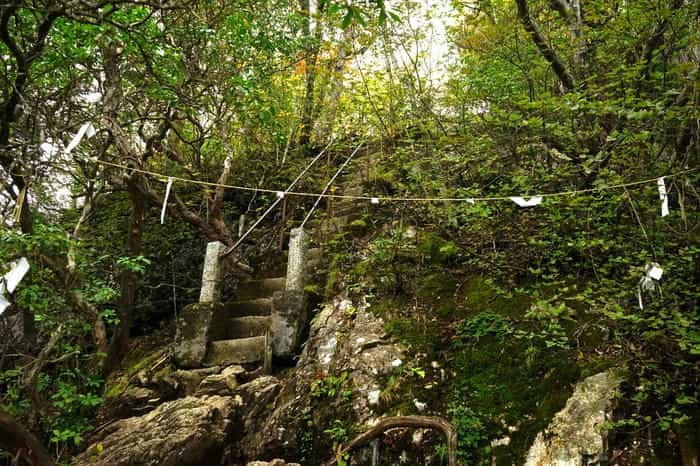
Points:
[373,198]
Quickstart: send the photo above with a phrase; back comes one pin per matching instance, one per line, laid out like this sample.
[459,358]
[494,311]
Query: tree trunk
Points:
[312,50]
[21,443]
[130,280]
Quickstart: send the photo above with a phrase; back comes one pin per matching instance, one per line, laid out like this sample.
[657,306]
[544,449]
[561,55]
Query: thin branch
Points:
[547,52]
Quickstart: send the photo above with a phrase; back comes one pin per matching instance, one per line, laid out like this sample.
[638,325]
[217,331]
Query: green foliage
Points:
[136,264]
[337,432]
[471,433]
[436,249]
[329,386]
[484,324]
[69,388]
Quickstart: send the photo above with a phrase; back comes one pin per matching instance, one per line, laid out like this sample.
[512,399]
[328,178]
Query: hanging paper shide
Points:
[165,200]
[522,202]
[663,195]
[650,281]
[11,279]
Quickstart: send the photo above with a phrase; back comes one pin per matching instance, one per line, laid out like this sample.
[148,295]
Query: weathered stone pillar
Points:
[212,273]
[297,260]
[288,322]
[289,316]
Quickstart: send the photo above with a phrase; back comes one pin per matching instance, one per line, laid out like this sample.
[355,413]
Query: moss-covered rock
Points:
[438,285]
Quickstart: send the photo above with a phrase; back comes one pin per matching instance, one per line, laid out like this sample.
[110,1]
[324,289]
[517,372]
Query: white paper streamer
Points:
[663,196]
[471,201]
[14,276]
[165,200]
[374,200]
[4,304]
[650,281]
[86,130]
[10,281]
[655,272]
[522,202]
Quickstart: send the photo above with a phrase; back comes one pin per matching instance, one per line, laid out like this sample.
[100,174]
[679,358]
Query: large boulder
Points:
[574,438]
[185,432]
[345,338]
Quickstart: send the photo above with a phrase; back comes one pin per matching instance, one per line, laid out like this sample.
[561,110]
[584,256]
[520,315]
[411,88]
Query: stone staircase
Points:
[268,313]
[237,332]
[240,330]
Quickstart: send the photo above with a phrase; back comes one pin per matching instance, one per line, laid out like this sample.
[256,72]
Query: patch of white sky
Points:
[423,25]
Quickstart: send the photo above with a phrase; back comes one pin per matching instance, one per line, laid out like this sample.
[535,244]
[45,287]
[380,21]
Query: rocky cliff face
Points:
[339,376]
[217,416]
[228,415]
[574,437]
[187,431]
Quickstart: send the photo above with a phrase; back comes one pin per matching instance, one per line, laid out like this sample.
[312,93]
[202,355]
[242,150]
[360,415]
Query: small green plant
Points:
[471,431]
[338,433]
[548,320]
[109,316]
[484,324]
[350,312]
[416,372]
[329,386]
[136,264]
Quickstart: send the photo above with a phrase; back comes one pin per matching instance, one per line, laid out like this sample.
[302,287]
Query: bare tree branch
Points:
[547,52]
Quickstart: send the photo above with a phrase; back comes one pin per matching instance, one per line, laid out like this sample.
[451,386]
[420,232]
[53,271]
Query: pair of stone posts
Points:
[288,316]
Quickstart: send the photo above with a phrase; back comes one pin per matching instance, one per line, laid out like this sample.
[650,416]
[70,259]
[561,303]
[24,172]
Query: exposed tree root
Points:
[422,422]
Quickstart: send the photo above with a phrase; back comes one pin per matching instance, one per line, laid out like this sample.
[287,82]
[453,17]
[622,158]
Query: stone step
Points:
[248,307]
[345,209]
[237,351]
[335,224]
[241,327]
[263,288]
[226,328]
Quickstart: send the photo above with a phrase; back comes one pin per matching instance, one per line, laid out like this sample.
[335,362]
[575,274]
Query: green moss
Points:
[435,249]
[480,294]
[508,383]
[389,306]
[446,311]
[333,275]
[359,227]
[134,363]
[382,180]
[436,285]
[420,336]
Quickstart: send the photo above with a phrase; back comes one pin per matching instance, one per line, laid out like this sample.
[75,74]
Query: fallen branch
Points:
[423,422]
